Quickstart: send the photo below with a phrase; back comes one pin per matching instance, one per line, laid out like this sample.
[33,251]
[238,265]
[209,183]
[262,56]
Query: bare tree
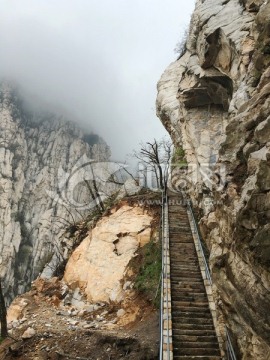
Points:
[3,314]
[95,195]
[156,155]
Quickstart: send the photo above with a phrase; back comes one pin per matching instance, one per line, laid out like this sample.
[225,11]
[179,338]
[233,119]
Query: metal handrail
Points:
[162,279]
[230,350]
[164,276]
[229,346]
[208,274]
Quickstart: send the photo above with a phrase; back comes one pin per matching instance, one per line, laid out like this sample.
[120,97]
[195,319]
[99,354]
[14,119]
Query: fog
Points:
[98,59]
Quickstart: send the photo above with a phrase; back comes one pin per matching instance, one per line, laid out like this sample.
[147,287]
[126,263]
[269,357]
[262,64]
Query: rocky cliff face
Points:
[38,152]
[214,101]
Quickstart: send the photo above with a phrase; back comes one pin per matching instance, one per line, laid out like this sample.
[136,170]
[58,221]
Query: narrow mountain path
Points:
[193,332]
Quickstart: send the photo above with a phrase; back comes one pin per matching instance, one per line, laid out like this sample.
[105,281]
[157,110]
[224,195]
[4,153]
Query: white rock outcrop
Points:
[99,263]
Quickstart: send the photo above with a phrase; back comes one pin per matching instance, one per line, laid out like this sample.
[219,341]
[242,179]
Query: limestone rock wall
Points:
[214,101]
[38,150]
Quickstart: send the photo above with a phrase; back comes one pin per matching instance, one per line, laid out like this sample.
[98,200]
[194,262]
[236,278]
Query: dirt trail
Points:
[60,332]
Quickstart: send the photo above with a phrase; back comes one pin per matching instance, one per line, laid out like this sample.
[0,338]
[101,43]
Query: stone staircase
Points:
[193,333]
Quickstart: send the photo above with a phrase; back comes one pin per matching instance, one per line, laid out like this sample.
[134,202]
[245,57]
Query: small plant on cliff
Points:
[181,46]
[179,158]
[147,281]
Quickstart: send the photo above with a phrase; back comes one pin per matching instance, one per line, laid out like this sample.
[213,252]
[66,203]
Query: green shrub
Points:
[179,158]
[148,279]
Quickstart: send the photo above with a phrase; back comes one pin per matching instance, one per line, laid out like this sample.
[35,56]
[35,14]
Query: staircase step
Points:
[184,292]
[195,345]
[194,333]
[197,341]
[194,314]
[188,293]
[179,254]
[183,264]
[188,259]
[196,351]
[188,265]
[186,357]
[179,282]
[185,261]
[184,256]
[187,326]
[178,228]
[191,275]
[190,299]
[194,338]
[193,309]
[193,323]
[178,287]
[177,269]
[191,270]
[188,280]
[181,238]
[177,239]
[194,283]
[180,251]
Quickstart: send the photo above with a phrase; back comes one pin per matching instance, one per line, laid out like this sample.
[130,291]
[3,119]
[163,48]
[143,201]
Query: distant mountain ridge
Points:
[34,145]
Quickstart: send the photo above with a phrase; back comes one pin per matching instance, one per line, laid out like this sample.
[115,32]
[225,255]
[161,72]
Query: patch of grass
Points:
[111,201]
[179,157]
[147,281]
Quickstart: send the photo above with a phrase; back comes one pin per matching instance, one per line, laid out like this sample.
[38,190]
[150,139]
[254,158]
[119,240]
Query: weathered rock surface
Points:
[99,263]
[214,101]
[38,152]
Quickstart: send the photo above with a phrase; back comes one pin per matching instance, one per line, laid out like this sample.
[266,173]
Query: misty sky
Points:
[98,59]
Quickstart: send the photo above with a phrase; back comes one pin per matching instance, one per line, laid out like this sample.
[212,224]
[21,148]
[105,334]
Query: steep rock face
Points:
[99,264]
[38,151]
[214,101]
